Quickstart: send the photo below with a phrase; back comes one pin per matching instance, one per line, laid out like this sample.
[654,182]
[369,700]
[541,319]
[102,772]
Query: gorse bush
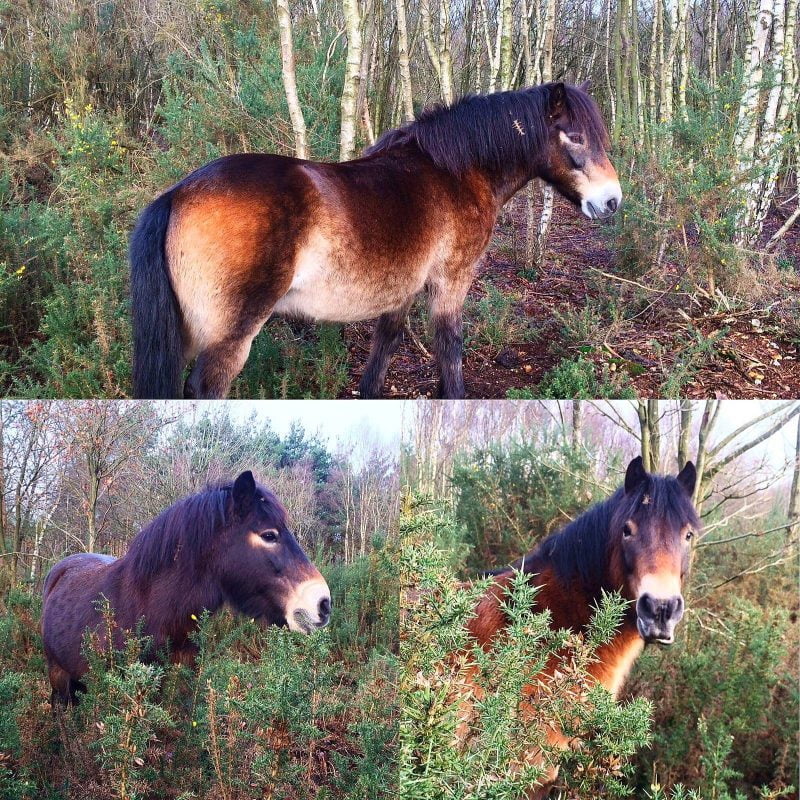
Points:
[367,601]
[578,379]
[683,194]
[464,730]
[731,723]
[511,495]
[293,359]
[261,712]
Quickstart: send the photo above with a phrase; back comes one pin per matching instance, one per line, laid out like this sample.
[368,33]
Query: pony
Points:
[227,544]
[637,543]
[251,235]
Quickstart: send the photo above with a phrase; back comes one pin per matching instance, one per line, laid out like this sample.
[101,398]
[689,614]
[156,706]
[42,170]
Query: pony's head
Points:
[651,532]
[576,160]
[262,570]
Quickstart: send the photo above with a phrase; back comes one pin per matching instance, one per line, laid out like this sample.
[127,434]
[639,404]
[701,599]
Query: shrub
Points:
[731,717]
[578,379]
[511,495]
[493,319]
[683,193]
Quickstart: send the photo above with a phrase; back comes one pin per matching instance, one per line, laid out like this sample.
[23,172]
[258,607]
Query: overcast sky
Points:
[337,420]
[332,420]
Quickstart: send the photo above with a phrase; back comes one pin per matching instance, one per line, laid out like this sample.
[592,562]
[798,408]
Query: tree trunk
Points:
[505,24]
[403,61]
[775,127]
[445,57]
[290,80]
[352,74]
[794,496]
[685,432]
[577,424]
[747,126]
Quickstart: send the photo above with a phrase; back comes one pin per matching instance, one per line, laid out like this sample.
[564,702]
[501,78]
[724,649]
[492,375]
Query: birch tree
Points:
[403,64]
[536,247]
[290,80]
[438,47]
[762,122]
[352,75]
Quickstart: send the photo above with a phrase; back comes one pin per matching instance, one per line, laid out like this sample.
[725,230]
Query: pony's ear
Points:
[557,101]
[687,477]
[586,85]
[635,475]
[244,490]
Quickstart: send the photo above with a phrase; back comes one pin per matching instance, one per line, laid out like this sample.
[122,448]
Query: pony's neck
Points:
[577,566]
[173,600]
[579,553]
[506,185]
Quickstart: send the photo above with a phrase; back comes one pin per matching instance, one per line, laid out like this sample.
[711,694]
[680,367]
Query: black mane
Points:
[492,131]
[581,549]
[188,526]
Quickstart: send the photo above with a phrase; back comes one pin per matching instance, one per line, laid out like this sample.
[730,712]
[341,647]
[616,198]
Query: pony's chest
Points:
[615,660]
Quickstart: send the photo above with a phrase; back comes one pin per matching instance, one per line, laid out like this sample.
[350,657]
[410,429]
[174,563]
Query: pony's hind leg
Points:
[217,365]
[385,341]
[76,687]
[448,337]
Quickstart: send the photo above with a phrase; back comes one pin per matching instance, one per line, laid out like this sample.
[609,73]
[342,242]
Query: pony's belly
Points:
[70,594]
[339,305]
[344,289]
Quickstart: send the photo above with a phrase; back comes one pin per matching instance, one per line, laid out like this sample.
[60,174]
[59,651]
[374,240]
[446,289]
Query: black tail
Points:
[157,344]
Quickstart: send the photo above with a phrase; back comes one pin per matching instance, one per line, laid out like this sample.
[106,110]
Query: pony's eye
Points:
[575,138]
[270,536]
[626,531]
[689,535]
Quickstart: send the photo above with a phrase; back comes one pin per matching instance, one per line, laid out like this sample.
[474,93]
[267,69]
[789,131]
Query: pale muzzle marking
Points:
[309,606]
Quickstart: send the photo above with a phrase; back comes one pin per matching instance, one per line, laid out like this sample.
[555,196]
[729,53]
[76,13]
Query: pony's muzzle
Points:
[603,202]
[656,617]
[310,606]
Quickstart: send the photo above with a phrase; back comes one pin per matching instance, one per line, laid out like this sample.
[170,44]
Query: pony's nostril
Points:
[325,608]
[675,608]
[612,205]
[647,606]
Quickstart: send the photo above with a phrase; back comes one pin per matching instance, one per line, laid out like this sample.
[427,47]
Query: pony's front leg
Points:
[448,290]
[61,682]
[385,341]
[448,343]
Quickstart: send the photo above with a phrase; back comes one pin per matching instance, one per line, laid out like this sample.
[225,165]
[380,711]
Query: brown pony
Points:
[228,544]
[637,543]
[252,235]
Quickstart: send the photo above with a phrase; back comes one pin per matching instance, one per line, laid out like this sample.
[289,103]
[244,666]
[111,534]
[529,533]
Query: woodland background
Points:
[103,104]
[264,711]
[713,716]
